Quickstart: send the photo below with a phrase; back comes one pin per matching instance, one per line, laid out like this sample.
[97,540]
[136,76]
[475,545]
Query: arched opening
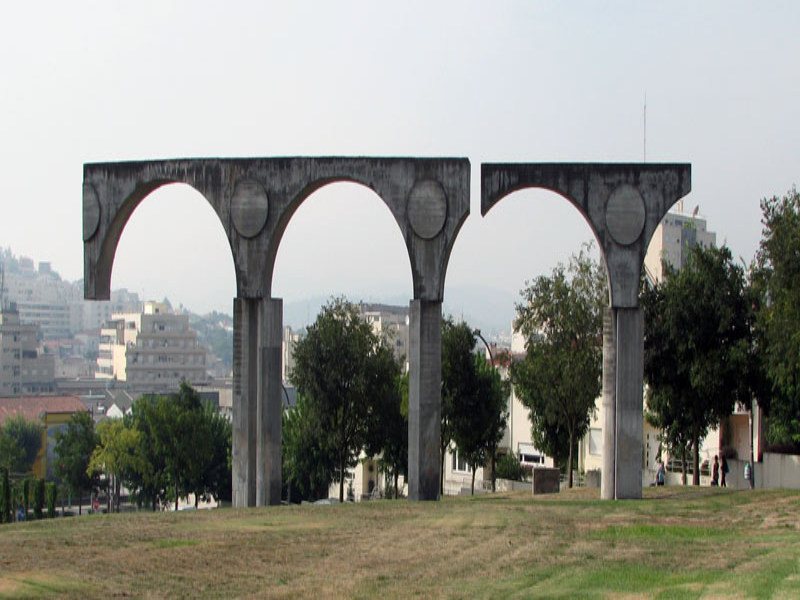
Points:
[343,241]
[173,250]
[522,237]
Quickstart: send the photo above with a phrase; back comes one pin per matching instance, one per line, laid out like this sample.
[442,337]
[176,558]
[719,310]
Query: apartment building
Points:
[151,350]
[25,369]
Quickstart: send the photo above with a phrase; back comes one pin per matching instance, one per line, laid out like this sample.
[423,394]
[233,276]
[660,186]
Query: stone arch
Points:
[255,199]
[376,229]
[111,194]
[623,204]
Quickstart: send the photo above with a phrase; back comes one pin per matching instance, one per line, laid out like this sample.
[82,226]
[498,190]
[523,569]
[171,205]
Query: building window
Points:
[459,464]
[596,442]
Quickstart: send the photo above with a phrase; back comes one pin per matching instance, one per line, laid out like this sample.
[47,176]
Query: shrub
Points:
[509,467]
[38,498]
[50,499]
[5,499]
[26,494]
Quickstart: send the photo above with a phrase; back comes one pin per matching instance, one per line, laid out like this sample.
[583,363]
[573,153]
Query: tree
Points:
[20,442]
[479,418]
[777,279]
[346,371]
[308,465]
[118,453]
[390,437]
[74,447]
[459,379]
[697,343]
[560,377]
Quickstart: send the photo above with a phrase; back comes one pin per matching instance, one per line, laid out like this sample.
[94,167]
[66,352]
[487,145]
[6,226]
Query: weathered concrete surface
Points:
[255,199]
[623,204]
[245,400]
[630,370]
[424,399]
[545,480]
[637,196]
[607,486]
[268,452]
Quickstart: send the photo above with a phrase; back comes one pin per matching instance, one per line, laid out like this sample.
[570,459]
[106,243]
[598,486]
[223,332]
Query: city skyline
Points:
[521,83]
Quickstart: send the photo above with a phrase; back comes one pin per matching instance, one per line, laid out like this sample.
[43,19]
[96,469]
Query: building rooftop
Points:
[32,407]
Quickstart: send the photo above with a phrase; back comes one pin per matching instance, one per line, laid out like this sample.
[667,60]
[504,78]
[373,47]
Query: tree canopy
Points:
[560,377]
[459,379]
[20,442]
[170,446]
[74,447]
[348,374]
[777,278]
[480,416]
[697,345]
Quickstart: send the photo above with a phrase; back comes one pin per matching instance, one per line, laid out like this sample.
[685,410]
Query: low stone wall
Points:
[779,471]
[507,485]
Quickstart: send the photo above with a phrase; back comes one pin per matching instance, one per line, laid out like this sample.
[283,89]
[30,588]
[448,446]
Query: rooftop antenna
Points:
[644,149]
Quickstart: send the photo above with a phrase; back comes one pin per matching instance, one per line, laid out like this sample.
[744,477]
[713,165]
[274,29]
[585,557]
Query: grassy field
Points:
[675,543]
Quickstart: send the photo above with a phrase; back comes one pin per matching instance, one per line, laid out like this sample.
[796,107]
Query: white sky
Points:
[501,81]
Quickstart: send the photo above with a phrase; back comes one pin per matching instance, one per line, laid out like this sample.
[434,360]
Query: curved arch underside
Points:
[256,198]
[623,204]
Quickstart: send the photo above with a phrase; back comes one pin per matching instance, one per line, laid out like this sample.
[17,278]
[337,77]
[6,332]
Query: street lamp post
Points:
[485,343]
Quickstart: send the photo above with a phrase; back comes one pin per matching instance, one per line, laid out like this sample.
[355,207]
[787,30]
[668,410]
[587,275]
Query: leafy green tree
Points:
[148,478]
[697,344]
[50,499]
[74,447]
[308,466]
[479,418]
[218,478]
[20,442]
[494,391]
[346,371]
[118,453]
[459,379]
[777,279]
[560,376]
[390,436]
[38,497]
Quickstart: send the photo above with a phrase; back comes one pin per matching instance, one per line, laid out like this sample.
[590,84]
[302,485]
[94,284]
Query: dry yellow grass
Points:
[677,541]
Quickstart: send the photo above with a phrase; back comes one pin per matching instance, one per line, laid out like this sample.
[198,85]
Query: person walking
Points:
[715,472]
[724,470]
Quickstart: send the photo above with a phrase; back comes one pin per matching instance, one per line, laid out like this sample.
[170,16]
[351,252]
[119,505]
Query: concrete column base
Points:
[607,486]
[424,399]
[629,415]
[268,431]
[245,400]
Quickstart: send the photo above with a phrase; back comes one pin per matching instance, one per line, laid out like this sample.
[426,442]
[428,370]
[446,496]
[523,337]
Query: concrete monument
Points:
[255,200]
[623,204]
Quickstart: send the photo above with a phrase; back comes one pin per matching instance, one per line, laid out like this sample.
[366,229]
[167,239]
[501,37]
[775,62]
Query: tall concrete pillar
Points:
[268,433]
[245,400]
[630,379]
[424,399]
[607,487]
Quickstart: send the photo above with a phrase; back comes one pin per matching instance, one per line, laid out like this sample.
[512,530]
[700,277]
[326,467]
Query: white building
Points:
[151,350]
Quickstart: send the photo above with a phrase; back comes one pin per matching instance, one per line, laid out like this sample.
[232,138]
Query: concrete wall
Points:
[778,471]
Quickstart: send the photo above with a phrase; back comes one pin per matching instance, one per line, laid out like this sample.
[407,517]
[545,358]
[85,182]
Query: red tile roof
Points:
[32,407]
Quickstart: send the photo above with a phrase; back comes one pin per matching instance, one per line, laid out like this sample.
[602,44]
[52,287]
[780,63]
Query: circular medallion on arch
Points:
[249,208]
[625,214]
[91,211]
[427,208]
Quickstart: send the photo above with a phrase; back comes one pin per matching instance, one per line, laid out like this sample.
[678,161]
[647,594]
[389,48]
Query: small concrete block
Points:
[545,481]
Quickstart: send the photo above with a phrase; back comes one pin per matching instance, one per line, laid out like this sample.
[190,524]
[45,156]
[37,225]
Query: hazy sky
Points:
[501,81]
